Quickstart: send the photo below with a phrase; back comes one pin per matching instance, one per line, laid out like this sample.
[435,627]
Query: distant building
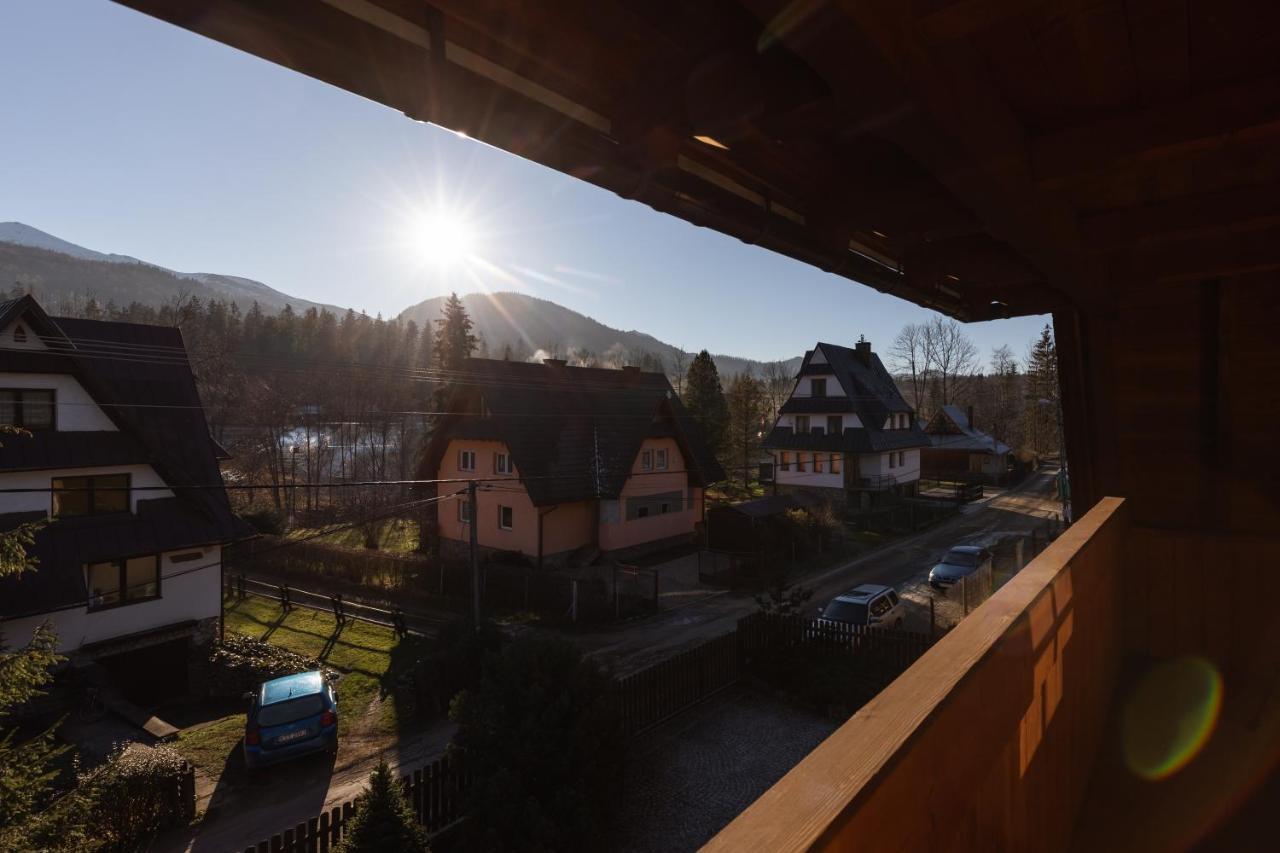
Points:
[957,449]
[846,432]
[129,563]
[574,459]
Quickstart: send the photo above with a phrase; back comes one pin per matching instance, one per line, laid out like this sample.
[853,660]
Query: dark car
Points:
[959,562]
[290,716]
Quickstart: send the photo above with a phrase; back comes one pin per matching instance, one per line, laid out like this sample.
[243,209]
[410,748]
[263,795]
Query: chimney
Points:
[969,414]
[863,349]
[554,362]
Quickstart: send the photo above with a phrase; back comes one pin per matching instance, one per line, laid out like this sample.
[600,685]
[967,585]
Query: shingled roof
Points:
[152,400]
[871,394]
[573,432]
[949,429]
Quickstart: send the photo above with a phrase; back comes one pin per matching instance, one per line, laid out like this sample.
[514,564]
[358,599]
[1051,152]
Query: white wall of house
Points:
[804,388]
[188,590]
[139,475]
[849,421]
[76,410]
[808,477]
[9,336]
[877,465]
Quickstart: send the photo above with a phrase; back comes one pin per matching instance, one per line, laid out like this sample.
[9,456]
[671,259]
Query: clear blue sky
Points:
[125,134]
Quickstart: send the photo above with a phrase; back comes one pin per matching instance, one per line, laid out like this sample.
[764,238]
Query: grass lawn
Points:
[395,536]
[367,656]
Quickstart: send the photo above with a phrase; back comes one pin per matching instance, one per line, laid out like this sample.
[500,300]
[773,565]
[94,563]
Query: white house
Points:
[115,440]
[846,431]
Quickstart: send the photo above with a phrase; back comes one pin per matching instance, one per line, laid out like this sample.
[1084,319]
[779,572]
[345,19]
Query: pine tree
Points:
[454,341]
[1043,401]
[704,398]
[746,407]
[383,820]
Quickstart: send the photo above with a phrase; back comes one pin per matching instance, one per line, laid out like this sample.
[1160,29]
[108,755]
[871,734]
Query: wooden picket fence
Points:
[652,695]
[435,792]
[764,632]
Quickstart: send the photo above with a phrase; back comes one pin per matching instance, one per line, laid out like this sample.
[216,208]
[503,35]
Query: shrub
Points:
[455,664]
[544,748]
[118,805]
[239,664]
[383,820]
[268,521]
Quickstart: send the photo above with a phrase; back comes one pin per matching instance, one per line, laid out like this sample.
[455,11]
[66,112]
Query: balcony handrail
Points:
[966,740]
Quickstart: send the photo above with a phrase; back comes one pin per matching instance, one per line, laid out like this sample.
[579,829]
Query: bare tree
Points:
[910,357]
[777,381]
[679,366]
[1005,399]
[952,359]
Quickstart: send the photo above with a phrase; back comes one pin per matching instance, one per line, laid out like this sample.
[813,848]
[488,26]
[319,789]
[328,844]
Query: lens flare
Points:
[1170,716]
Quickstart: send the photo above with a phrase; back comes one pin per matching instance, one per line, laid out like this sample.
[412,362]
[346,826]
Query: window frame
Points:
[646,460]
[502,463]
[817,463]
[816,385]
[660,459]
[892,459]
[464,511]
[784,460]
[835,424]
[510,514]
[121,565]
[19,408]
[91,493]
[802,420]
[835,463]
[462,460]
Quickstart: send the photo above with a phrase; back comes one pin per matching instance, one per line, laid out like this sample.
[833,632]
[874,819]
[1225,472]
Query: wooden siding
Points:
[987,741]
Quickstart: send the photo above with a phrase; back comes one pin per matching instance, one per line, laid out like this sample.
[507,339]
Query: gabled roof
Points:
[949,429]
[870,393]
[573,432]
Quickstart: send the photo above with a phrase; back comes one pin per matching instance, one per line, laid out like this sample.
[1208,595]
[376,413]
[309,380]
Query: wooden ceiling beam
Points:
[1204,120]
[1183,217]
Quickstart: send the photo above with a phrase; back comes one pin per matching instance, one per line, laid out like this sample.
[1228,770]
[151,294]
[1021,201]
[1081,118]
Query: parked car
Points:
[288,717]
[959,562]
[869,604]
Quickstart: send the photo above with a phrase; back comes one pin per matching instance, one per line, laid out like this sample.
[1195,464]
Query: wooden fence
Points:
[435,793]
[652,695]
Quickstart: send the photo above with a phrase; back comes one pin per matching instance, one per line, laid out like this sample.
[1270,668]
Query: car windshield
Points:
[292,710]
[853,612]
[961,558]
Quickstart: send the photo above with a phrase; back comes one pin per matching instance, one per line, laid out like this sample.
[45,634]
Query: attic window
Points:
[29,408]
[819,387]
[19,335]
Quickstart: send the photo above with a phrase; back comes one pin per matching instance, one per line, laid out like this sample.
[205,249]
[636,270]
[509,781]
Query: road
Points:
[903,563]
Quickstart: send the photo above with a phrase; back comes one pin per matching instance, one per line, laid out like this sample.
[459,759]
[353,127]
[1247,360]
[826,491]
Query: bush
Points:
[268,521]
[239,664]
[544,748]
[460,655]
[117,806]
[383,820]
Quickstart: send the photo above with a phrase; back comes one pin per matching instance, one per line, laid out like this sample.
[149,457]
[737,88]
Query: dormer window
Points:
[19,335]
[28,408]
[802,424]
[835,424]
[818,387]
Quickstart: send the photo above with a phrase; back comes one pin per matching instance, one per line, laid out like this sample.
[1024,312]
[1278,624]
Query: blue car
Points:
[290,716]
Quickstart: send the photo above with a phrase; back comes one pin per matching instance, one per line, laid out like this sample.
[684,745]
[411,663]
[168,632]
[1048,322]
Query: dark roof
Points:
[63,547]
[869,392]
[573,432]
[949,429]
[155,406]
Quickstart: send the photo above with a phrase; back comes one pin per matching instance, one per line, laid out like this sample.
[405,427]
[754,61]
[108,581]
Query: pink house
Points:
[568,459]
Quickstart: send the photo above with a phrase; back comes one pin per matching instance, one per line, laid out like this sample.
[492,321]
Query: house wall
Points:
[877,465]
[850,420]
[76,410]
[140,475]
[190,590]
[825,480]
[565,528]
[616,531]
[804,388]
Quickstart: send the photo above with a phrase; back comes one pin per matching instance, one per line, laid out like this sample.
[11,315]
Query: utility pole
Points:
[473,514]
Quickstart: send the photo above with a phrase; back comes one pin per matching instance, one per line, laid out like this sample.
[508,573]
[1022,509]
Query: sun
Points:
[443,238]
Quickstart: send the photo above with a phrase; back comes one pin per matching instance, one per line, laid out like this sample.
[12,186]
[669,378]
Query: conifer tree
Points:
[383,820]
[704,398]
[1042,393]
[454,340]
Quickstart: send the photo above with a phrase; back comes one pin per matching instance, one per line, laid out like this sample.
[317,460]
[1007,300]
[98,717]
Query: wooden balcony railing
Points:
[987,741]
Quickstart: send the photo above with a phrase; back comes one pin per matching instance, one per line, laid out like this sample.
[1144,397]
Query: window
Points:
[817,463]
[123,581]
[651,505]
[880,606]
[902,458]
[835,463]
[97,495]
[646,460]
[835,425]
[802,424]
[29,408]
[818,387]
[501,463]
[799,461]
[505,517]
[661,460]
[19,335]
[464,511]
[893,457]
[784,460]
[466,460]
[642,512]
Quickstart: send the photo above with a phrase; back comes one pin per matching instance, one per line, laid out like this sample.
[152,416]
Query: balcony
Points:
[1005,735]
